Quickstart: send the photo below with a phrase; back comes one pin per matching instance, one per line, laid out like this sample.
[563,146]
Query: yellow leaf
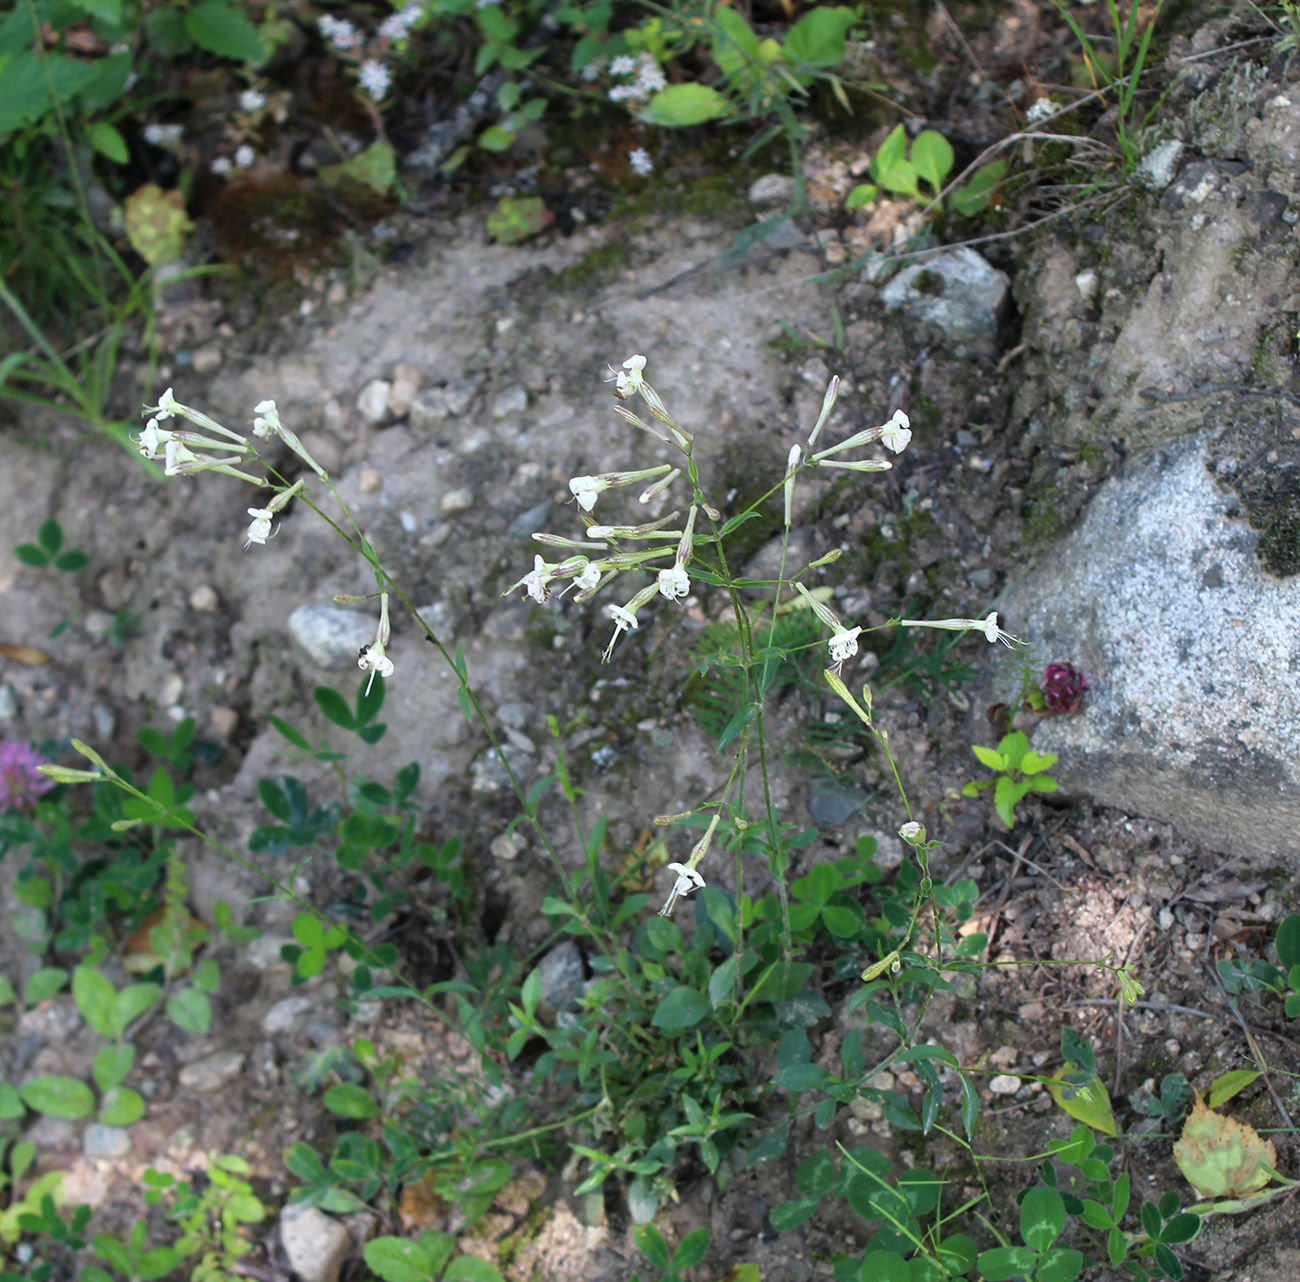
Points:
[1092,1109]
[156,223]
[1221,1157]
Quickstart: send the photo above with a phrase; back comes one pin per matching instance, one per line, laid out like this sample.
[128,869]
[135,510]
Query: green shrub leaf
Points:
[222,29]
[64,1097]
[687,104]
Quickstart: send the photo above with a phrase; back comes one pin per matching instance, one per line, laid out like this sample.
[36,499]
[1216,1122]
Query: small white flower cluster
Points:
[650,78]
[590,573]
[640,162]
[593,69]
[221,165]
[375,79]
[162,135]
[397,26]
[218,449]
[244,156]
[252,100]
[338,31]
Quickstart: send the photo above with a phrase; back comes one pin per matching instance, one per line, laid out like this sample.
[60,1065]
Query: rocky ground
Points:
[453,396]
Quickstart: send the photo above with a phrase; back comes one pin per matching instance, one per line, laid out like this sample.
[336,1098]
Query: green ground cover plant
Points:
[689,1045]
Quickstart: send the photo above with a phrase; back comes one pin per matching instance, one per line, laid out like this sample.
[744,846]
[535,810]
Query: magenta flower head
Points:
[20,785]
[1063,687]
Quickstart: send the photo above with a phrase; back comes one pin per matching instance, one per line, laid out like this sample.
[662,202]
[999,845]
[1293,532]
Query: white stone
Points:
[286,1012]
[958,291]
[1086,283]
[1190,649]
[771,190]
[208,1075]
[331,636]
[456,501]
[316,1245]
[204,599]
[372,404]
[1004,1084]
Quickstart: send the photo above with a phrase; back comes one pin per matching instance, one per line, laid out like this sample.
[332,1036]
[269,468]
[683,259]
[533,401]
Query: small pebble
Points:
[172,688]
[372,404]
[370,480]
[408,378]
[508,847]
[514,400]
[105,1142]
[207,1076]
[1004,1084]
[204,599]
[208,358]
[224,722]
[8,703]
[456,501]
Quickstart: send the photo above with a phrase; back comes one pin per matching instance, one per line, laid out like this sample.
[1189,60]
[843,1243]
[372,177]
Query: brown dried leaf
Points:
[27,654]
[1221,1157]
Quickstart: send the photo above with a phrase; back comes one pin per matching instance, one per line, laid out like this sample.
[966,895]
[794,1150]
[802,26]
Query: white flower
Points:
[988,626]
[372,657]
[593,69]
[251,100]
[895,434]
[687,880]
[640,162]
[244,156]
[623,65]
[221,165]
[589,577]
[267,422]
[151,439]
[913,833]
[175,454]
[651,78]
[338,31]
[629,379]
[994,633]
[259,529]
[166,405]
[585,489]
[844,645]
[162,135]
[535,582]
[374,78]
[1043,109]
[622,93]
[397,26]
[674,583]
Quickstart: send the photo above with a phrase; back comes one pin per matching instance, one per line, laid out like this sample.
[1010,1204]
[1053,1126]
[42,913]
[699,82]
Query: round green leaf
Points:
[469,1268]
[350,1100]
[885,1266]
[932,157]
[112,1064]
[121,1107]
[843,923]
[682,1008]
[64,1097]
[190,1009]
[44,983]
[1288,941]
[1042,1217]
[96,999]
[686,104]
[396,1259]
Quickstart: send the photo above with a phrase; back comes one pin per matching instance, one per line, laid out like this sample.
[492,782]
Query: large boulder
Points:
[1191,649]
